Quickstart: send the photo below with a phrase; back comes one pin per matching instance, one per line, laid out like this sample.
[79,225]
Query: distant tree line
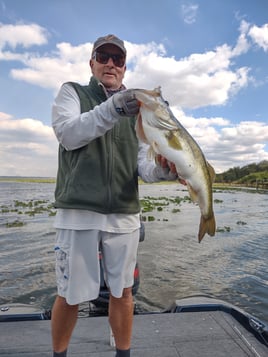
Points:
[247,174]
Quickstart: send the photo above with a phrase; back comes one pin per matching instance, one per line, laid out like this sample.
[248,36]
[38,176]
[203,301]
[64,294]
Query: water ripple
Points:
[231,266]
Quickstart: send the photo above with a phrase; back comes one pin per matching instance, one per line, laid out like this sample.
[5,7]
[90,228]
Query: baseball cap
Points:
[109,39]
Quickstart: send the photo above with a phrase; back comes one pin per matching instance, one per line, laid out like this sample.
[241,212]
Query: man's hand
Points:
[163,162]
[126,103]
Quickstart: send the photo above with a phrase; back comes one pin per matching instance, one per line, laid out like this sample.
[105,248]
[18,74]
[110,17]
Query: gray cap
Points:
[109,39]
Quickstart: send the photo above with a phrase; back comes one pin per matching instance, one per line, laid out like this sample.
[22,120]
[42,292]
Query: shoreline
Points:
[25,179]
[216,186]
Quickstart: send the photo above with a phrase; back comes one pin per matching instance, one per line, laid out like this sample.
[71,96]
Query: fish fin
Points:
[173,140]
[155,147]
[163,121]
[193,194]
[162,113]
[211,172]
[151,154]
[160,122]
[207,225]
[139,130]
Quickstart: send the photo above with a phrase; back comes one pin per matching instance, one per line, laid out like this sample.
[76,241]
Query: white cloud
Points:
[226,145]
[234,145]
[27,147]
[242,45]
[260,36]
[68,63]
[189,13]
[22,35]
[210,77]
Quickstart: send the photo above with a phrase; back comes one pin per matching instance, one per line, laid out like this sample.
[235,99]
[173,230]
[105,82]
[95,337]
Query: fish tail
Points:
[207,225]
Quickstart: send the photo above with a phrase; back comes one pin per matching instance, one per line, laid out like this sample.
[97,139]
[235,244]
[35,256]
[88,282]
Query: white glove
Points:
[126,103]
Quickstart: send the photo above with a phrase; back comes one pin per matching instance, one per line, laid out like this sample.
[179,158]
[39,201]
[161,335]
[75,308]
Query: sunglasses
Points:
[103,58]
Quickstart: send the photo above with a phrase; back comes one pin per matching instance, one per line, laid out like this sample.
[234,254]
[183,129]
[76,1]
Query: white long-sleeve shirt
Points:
[73,130]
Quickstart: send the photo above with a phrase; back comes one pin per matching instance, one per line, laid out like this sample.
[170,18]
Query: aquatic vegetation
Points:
[149,204]
[4,209]
[217,200]
[175,210]
[28,208]
[15,223]
[146,205]
[242,223]
[161,204]
[223,229]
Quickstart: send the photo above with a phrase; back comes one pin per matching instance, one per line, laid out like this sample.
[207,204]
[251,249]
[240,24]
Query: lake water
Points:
[231,266]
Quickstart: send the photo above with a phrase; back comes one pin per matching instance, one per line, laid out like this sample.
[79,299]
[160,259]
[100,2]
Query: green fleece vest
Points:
[101,176]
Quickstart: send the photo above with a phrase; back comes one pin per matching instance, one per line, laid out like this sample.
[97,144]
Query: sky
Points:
[209,57]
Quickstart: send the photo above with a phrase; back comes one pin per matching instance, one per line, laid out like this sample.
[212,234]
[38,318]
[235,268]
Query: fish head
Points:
[152,100]
[155,110]
[148,97]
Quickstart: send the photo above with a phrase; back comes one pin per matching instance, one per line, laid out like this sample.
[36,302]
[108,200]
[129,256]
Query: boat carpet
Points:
[190,334]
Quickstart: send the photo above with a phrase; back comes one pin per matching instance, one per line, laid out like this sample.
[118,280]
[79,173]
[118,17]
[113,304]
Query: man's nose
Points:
[110,62]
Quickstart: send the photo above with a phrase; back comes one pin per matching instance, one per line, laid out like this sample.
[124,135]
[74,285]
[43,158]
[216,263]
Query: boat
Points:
[197,326]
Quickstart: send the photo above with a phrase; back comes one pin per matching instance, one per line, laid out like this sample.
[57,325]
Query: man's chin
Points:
[110,83]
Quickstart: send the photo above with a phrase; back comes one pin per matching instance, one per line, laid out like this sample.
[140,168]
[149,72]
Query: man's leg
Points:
[63,321]
[121,318]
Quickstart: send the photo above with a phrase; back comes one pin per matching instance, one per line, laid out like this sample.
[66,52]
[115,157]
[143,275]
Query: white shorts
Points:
[78,267]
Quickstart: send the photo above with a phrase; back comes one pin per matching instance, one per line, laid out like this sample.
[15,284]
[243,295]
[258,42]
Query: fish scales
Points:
[157,126]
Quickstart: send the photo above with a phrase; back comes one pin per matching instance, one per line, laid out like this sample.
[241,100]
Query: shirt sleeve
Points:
[148,170]
[73,129]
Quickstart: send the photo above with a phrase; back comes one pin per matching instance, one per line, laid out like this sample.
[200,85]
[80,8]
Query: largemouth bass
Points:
[157,126]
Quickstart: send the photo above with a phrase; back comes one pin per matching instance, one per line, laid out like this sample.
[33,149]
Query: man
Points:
[96,194]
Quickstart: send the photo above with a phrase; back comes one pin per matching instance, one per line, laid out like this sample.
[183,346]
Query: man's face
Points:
[110,75]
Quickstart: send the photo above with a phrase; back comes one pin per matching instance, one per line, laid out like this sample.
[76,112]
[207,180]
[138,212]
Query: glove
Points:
[125,103]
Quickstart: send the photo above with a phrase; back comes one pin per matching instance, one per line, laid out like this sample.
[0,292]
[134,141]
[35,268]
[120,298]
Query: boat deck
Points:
[188,334]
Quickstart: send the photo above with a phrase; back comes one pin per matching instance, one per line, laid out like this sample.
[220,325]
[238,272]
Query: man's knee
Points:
[126,295]
[62,303]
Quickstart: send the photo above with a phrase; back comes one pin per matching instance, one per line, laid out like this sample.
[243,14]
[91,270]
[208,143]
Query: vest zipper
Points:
[110,167]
